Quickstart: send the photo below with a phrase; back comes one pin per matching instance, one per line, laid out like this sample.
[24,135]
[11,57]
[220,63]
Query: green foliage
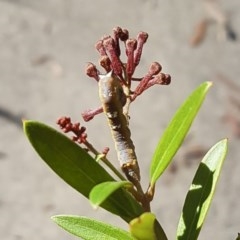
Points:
[103,190]
[201,192]
[81,171]
[146,227]
[90,229]
[176,132]
[75,166]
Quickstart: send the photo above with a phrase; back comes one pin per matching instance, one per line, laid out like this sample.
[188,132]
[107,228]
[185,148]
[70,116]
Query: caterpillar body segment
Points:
[113,99]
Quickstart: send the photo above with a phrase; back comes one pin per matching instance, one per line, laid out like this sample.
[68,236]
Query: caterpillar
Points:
[113,99]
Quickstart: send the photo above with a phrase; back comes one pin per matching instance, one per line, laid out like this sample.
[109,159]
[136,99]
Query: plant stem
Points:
[104,159]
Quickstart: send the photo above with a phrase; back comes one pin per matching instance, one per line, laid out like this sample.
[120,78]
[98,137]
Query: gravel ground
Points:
[44,47]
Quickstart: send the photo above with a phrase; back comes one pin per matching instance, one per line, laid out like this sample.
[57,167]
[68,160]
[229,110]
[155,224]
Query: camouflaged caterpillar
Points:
[113,99]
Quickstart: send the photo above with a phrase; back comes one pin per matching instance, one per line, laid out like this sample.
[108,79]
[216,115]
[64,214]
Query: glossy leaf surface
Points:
[75,166]
[201,192]
[103,190]
[176,131]
[146,227]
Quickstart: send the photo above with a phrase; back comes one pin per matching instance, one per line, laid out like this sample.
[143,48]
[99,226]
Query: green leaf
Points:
[90,229]
[201,192]
[146,227]
[103,190]
[176,132]
[76,167]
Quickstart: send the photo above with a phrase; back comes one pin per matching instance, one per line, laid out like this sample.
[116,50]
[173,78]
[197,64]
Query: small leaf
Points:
[90,229]
[76,167]
[146,227]
[103,190]
[201,192]
[176,132]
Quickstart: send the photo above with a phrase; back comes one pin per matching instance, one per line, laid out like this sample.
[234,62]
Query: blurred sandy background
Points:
[44,47]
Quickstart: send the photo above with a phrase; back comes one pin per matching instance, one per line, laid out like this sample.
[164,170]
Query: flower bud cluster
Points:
[66,125]
[109,50]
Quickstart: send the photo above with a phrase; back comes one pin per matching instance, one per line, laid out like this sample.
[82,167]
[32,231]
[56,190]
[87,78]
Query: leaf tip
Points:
[225,142]
[94,206]
[209,83]
[55,218]
[26,123]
